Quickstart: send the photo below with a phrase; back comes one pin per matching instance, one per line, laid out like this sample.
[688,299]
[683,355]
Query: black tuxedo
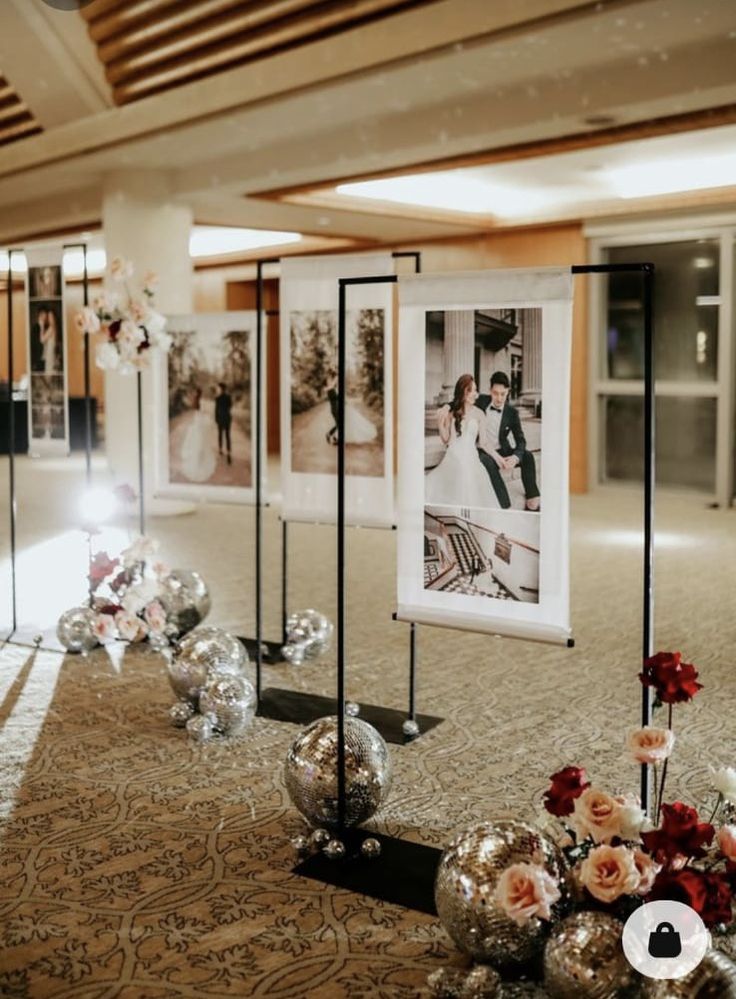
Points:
[509,427]
[224,419]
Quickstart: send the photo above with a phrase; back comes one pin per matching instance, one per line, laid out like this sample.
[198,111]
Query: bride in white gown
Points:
[198,459]
[460,479]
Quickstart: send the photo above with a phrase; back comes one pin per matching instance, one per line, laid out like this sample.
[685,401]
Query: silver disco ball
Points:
[75,630]
[230,701]
[186,599]
[311,772]
[714,978]
[465,891]
[584,959]
[202,654]
[311,630]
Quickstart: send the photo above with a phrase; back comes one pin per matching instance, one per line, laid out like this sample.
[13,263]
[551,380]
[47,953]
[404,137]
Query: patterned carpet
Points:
[137,866]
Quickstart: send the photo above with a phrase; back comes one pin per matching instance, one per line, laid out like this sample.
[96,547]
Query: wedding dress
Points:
[198,458]
[460,479]
[358,429]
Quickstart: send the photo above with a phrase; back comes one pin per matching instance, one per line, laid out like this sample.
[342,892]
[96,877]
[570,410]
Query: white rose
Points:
[163,341]
[724,781]
[156,617]
[140,550]
[155,322]
[107,356]
[130,334]
[631,817]
[138,596]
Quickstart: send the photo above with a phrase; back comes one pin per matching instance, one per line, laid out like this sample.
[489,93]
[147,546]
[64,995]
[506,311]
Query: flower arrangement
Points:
[618,857]
[128,325]
[126,594]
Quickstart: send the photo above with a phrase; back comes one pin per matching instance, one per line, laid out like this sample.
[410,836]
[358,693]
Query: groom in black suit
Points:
[495,449]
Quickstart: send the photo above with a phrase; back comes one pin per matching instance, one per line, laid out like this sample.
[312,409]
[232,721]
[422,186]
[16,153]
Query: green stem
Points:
[715,810]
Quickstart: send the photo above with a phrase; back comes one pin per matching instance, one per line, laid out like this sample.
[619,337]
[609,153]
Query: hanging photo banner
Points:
[484,384]
[205,404]
[308,304]
[48,397]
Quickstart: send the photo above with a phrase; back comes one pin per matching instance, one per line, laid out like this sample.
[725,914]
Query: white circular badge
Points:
[665,939]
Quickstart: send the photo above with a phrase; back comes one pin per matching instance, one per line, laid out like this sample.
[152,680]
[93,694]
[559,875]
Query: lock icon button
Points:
[665,941]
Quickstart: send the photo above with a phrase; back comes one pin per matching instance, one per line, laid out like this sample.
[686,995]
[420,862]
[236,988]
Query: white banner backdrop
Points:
[483,504]
[206,408]
[308,303]
[48,403]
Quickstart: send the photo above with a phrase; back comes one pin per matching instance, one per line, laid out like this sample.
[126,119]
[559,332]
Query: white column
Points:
[531,364]
[143,223]
[459,348]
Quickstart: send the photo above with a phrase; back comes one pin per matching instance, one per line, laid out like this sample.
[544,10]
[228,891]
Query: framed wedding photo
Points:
[483,451]
[309,407]
[205,405]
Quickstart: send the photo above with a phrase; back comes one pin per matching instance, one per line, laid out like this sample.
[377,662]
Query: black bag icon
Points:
[665,941]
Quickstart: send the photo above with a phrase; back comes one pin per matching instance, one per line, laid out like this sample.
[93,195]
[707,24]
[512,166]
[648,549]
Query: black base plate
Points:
[270,651]
[294,706]
[403,874]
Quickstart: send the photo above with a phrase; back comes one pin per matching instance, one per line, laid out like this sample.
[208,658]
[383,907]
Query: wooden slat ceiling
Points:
[16,120]
[148,46]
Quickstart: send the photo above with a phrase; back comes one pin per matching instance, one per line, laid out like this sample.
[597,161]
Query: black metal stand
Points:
[259,649]
[87,395]
[11,450]
[302,708]
[647,272]
[141,484]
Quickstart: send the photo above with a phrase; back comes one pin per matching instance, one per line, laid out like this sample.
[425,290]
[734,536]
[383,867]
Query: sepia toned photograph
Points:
[46,339]
[44,281]
[314,392]
[482,553]
[209,403]
[483,408]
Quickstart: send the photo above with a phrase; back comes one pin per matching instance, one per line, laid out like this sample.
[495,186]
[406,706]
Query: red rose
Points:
[680,834]
[708,893]
[567,785]
[672,679]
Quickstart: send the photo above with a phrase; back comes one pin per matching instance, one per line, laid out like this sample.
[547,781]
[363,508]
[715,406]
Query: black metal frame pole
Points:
[11,446]
[341,594]
[412,714]
[647,271]
[87,394]
[141,483]
[260,264]
[284,579]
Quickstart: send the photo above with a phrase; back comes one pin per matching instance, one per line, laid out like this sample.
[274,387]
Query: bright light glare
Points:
[74,262]
[452,190]
[669,176]
[206,241]
[97,505]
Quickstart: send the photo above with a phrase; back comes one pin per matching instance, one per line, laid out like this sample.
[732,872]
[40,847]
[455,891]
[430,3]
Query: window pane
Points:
[685,323]
[686,441]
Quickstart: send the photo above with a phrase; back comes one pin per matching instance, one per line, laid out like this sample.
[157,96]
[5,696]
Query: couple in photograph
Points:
[484,438]
[198,459]
[47,336]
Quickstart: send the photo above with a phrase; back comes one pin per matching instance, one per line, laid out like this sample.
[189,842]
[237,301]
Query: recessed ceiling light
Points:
[212,241]
[672,175]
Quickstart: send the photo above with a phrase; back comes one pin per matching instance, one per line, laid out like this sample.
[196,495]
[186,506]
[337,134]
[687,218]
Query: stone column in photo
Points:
[144,224]
[459,349]
[531,364]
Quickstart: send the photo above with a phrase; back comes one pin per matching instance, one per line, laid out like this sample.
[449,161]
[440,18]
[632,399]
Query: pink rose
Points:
[596,814]
[609,872]
[648,871]
[120,269]
[104,627]
[727,842]
[650,745]
[155,615]
[526,890]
